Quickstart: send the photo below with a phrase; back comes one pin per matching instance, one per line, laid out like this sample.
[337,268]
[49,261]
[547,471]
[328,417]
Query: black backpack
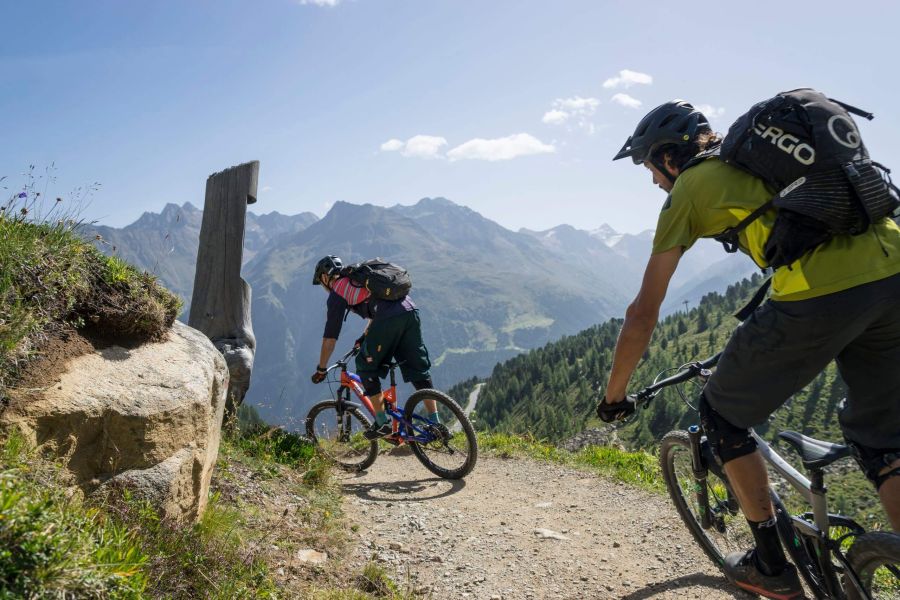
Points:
[808,150]
[384,280]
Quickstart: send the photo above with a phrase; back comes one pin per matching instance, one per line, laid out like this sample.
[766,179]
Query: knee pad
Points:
[422,384]
[728,442]
[372,385]
[873,460]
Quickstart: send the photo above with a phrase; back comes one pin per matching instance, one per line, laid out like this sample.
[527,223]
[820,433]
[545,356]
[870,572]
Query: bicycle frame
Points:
[813,491]
[404,431]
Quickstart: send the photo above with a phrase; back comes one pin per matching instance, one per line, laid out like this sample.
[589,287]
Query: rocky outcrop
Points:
[592,437]
[147,417]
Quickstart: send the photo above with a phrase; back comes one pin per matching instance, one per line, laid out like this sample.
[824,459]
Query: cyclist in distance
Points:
[840,302]
[393,331]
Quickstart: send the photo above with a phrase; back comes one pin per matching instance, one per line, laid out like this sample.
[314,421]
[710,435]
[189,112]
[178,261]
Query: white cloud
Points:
[392,145]
[418,146]
[578,104]
[576,110]
[266,188]
[506,148]
[626,101]
[627,78]
[423,146]
[321,2]
[712,112]
[555,117]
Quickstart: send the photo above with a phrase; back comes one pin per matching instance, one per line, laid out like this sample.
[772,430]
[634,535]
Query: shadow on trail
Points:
[702,579]
[402,491]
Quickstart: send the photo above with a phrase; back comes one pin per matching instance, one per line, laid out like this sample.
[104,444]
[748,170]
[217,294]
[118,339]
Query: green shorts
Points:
[398,338]
[782,346]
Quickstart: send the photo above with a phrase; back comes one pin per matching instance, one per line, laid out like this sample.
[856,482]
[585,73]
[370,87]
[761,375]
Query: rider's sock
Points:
[434,417]
[381,418]
[769,554]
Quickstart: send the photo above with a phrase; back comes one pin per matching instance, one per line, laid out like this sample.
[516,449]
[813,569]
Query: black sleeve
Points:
[337,308]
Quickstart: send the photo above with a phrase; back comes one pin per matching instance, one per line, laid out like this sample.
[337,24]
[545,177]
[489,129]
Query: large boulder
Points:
[148,418]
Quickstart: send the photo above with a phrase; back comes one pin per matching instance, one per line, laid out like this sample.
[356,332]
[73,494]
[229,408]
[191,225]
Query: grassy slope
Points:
[55,544]
[52,543]
[51,279]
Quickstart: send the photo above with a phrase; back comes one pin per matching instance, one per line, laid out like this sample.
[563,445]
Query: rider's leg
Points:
[770,356]
[750,480]
[414,361]
[889,493]
[371,362]
[746,471]
[869,417]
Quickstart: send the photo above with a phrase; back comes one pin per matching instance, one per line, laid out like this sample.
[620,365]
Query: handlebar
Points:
[689,371]
[342,362]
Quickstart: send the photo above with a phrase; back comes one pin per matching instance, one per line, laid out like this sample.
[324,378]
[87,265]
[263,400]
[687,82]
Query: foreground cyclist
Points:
[839,302]
[393,331]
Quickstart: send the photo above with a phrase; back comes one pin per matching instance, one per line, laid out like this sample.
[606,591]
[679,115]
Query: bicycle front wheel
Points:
[339,435]
[728,531]
[875,558]
[451,448]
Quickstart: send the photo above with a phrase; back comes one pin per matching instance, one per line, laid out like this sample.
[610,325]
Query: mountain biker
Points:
[840,302]
[393,331]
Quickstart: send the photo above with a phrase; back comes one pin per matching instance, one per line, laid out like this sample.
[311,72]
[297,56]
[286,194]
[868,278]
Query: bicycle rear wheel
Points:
[339,435]
[729,531]
[875,558]
[452,449]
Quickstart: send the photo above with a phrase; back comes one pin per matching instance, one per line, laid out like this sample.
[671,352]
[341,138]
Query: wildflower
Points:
[24,211]
[22,195]
[59,199]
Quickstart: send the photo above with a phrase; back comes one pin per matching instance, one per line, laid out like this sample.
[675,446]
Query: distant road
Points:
[470,405]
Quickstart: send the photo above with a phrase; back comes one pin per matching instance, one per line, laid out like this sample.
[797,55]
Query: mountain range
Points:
[485,293]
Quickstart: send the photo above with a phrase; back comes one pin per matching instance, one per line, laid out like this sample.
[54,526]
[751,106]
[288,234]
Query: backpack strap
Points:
[729,237]
[755,301]
[852,109]
[698,158]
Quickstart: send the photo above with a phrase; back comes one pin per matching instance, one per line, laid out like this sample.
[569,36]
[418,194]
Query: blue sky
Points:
[510,108]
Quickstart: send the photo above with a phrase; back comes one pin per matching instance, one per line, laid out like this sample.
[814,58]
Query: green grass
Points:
[636,468]
[55,546]
[50,277]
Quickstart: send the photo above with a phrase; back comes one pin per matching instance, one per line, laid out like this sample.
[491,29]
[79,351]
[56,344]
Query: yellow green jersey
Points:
[711,197]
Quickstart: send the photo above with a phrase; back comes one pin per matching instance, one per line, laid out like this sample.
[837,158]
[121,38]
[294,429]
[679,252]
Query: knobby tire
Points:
[869,552]
[368,449]
[435,447]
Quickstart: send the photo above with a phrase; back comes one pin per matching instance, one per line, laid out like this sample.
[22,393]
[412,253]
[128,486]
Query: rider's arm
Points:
[640,320]
[337,308]
[327,349]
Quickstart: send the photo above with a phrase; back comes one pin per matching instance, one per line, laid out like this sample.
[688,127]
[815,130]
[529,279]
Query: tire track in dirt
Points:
[481,538]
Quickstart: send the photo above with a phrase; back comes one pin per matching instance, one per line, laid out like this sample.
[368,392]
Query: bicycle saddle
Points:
[815,454]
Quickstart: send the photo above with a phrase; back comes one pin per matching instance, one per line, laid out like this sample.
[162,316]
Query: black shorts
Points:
[782,346]
[400,338]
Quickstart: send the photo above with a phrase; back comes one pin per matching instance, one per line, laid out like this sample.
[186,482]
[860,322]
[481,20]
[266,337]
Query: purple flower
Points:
[23,195]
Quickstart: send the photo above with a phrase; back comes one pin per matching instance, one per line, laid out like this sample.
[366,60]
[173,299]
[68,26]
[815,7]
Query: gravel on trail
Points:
[521,529]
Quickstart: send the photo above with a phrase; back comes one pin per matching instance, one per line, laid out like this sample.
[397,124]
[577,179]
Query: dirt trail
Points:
[482,538]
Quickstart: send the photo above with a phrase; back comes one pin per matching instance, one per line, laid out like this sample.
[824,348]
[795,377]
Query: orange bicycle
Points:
[448,447]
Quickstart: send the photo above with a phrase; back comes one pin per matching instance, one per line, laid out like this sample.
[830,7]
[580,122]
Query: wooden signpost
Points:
[220,305]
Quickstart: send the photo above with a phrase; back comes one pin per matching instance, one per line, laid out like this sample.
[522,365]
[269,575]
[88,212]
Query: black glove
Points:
[359,341]
[319,375]
[615,412]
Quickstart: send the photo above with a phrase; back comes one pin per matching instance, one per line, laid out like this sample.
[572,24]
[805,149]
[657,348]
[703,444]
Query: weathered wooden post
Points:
[220,305]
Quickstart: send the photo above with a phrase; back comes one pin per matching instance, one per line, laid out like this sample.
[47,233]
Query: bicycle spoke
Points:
[446,444]
[339,435]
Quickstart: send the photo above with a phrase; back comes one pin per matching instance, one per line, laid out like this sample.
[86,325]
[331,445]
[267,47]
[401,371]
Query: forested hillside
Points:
[549,392]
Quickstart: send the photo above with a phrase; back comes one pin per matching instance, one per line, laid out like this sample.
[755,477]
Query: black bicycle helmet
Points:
[329,265]
[675,122]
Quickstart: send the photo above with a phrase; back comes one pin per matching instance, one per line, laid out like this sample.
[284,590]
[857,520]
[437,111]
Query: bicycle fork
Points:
[700,472]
